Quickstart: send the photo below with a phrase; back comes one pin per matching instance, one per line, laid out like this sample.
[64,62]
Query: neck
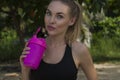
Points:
[55,40]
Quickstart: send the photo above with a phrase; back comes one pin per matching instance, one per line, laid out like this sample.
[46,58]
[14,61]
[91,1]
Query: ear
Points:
[72,21]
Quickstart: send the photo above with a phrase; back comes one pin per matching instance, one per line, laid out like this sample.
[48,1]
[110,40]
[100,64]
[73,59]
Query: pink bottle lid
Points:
[36,40]
[40,41]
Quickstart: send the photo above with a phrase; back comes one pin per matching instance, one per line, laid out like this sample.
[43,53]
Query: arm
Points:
[24,70]
[87,64]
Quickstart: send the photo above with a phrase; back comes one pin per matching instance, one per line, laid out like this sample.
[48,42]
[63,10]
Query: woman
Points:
[64,54]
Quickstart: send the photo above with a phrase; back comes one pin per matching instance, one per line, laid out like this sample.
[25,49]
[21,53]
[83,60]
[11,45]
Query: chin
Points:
[51,33]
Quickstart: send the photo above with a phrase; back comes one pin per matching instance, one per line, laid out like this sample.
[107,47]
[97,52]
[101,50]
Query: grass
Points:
[105,50]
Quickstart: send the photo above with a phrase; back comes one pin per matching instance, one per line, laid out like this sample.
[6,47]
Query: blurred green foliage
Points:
[106,39]
[10,48]
[20,19]
[108,27]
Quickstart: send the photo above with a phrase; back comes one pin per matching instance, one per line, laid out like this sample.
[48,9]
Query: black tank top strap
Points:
[69,56]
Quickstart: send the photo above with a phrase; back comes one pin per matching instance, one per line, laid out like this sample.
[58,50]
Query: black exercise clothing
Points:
[64,70]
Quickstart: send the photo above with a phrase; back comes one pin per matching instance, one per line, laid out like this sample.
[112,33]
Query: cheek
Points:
[45,21]
[63,24]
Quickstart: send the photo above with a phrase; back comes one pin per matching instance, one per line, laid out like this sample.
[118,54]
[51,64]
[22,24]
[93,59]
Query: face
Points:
[57,18]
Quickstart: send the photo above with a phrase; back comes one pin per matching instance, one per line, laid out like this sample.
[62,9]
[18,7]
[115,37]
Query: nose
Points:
[52,20]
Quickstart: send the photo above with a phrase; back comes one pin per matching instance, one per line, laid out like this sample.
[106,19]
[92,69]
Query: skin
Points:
[57,21]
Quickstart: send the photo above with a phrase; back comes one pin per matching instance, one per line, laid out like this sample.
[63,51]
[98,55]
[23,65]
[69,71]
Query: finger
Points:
[22,57]
[25,52]
[26,48]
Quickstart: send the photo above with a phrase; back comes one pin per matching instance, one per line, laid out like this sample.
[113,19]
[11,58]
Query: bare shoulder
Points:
[84,60]
[80,50]
[79,47]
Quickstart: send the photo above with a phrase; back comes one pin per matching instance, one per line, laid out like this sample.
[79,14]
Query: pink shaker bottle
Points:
[37,48]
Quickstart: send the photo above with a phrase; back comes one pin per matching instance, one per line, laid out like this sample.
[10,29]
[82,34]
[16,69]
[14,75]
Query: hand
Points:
[24,54]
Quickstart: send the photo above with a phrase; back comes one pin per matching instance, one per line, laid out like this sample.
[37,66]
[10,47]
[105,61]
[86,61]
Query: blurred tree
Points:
[111,7]
[97,10]
[23,15]
[26,15]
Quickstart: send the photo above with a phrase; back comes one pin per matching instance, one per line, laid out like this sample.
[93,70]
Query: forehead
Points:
[57,6]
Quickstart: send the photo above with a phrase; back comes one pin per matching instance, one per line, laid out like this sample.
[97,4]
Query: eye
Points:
[60,16]
[48,13]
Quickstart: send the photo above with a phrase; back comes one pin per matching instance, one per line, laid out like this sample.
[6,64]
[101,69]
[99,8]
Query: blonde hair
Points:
[73,32]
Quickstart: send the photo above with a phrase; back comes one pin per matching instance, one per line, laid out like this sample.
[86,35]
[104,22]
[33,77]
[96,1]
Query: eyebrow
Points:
[56,13]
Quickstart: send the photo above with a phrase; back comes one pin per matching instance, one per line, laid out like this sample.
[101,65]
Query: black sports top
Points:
[64,70]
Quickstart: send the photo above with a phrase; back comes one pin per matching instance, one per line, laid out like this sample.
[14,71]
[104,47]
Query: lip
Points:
[51,28]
